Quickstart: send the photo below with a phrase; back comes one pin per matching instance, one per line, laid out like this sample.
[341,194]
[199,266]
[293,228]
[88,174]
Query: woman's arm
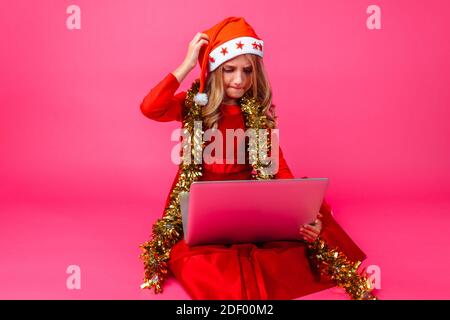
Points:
[161,103]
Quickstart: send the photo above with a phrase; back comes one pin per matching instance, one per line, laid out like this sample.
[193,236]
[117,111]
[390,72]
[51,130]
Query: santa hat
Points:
[227,40]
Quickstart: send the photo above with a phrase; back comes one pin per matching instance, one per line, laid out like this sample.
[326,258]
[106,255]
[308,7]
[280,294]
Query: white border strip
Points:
[233,48]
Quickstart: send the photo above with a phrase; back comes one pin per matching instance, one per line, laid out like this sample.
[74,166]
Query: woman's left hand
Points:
[310,232]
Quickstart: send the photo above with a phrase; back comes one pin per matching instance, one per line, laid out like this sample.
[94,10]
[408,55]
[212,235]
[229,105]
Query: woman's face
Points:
[236,78]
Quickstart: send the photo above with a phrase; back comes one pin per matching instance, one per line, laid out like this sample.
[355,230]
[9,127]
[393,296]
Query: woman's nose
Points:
[238,79]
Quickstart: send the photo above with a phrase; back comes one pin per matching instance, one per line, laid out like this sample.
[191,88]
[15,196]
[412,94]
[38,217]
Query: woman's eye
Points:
[228,71]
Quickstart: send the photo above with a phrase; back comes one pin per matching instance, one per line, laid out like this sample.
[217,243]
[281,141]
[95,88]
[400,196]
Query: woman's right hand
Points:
[195,45]
[190,61]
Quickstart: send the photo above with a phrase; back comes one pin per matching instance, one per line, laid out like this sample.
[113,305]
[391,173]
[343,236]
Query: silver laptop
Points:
[238,211]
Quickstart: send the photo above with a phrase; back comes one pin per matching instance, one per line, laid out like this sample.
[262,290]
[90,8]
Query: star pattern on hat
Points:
[232,48]
[257,46]
[239,45]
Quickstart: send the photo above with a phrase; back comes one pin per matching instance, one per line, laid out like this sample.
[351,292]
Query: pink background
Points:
[83,174]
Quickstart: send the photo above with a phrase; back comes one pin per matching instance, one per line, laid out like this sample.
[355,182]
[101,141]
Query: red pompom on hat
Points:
[227,40]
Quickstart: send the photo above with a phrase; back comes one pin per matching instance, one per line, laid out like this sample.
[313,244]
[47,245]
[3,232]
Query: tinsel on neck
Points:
[168,230]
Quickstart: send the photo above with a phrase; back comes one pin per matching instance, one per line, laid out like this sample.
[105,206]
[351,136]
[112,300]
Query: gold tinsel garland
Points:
[168,230]
[341,270]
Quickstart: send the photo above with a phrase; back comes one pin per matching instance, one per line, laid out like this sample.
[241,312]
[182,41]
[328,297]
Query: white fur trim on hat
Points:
[232,48]
[201,99]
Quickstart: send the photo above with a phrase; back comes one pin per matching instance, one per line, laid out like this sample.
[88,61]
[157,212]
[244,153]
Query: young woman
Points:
[230,55]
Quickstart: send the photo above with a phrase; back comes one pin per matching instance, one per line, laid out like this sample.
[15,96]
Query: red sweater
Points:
[162,104]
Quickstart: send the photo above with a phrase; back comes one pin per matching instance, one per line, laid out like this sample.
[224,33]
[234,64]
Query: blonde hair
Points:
[260,89]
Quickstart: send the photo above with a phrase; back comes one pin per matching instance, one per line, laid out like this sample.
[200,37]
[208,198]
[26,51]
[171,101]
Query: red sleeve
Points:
[283,169]
[161,103]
